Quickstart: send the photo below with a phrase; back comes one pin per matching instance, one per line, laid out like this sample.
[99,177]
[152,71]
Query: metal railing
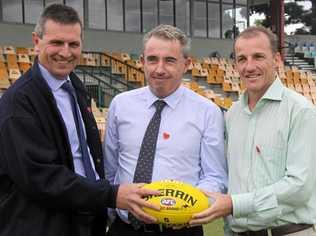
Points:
[106,76]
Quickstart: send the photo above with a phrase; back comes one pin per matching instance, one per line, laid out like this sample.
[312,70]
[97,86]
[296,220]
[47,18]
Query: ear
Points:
[36,40]
[277,60]
[187,64]
[142,59]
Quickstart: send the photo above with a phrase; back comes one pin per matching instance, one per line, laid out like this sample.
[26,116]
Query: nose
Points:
[65,50]
[250,65]
[160,68]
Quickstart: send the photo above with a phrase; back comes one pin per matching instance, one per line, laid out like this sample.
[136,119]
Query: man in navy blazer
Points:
[43,185]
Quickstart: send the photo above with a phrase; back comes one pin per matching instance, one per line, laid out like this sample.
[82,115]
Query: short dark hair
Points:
[58,13]
[254,31]
[169,32]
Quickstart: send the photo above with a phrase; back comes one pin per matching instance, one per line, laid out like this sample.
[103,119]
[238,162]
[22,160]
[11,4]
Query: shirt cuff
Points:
[242,204]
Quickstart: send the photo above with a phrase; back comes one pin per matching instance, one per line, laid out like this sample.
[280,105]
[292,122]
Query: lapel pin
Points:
[166,135]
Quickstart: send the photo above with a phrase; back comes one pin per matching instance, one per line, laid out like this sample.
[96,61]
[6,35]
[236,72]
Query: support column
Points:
[277,22]
[313,18]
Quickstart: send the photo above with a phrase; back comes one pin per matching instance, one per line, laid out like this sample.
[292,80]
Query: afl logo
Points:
[168,202]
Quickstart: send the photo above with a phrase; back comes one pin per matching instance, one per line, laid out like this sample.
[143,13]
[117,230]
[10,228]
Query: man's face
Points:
[60,47]
[164,65]
[256,63]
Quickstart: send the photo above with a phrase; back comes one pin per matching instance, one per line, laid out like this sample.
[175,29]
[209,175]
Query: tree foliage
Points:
[294,14]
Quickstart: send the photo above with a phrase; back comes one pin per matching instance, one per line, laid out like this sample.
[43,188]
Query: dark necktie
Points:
[145,162]
[80,131]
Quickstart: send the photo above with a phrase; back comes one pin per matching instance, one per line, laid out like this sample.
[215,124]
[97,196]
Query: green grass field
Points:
[214,229]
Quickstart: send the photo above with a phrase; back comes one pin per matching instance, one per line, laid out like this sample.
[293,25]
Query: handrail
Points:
[102,86]
[108,70]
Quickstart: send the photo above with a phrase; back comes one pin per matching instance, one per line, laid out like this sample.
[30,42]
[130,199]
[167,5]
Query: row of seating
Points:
[218,72]
[223,72]
[215,71]
[100,116]
[308,49]
[219,99]
[305,47]
[14,61]
[119,63]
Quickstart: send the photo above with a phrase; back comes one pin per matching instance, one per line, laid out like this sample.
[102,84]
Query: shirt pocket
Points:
[271,164]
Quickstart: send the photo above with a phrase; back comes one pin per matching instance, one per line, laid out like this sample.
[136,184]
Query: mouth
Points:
[160,78]
[63,62]
[252,77]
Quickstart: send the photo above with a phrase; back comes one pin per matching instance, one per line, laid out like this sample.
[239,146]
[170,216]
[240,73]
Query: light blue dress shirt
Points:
[190,145]
[63,102]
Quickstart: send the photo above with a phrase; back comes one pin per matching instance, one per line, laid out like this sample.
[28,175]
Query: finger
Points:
[143,216]
[196,222]
[146,192]
[202,214]
[147,204]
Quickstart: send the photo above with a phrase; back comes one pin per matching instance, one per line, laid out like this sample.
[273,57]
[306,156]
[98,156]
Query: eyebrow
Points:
[151,57]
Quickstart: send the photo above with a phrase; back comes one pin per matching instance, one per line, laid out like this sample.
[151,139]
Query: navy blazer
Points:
[39,192]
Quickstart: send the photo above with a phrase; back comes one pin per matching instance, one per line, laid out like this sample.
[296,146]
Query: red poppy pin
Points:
[166,135]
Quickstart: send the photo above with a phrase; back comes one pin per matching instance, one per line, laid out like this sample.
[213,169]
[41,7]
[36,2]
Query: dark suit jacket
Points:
[39,192]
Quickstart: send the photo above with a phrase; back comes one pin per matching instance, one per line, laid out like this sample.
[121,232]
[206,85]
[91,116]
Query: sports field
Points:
[214,229]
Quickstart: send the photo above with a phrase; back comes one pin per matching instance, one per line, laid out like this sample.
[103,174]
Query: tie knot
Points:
[68,87]
[159,104]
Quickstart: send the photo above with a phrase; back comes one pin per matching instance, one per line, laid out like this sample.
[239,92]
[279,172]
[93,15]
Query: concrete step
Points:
[290,58]
[310,67]
[297,61]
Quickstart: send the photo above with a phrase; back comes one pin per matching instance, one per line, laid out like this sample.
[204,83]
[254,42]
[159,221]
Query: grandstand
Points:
[107,74]
[112,44]
[113,32]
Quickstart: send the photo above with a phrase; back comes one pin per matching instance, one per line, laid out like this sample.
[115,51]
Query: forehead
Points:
[163,47]
[58,30]
[253,44]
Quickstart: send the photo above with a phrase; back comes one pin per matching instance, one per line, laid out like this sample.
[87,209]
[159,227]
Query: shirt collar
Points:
[171,100]
[52,82]
[274,93]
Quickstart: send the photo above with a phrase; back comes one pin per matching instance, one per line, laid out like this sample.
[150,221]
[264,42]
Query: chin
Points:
[159,93]
[61,75]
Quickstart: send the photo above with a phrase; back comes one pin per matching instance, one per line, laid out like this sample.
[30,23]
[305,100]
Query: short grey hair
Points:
[254,31]
[169,32]
[58,13]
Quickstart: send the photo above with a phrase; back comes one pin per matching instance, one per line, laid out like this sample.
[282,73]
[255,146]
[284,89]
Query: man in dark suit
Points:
[51,165]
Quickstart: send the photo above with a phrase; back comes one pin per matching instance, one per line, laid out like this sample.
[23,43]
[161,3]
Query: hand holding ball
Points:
[178,201]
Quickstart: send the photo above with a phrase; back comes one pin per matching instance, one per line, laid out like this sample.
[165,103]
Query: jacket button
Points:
[98,160]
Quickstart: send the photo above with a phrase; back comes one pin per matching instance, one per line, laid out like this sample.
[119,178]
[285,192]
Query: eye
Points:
[57,43]
[74,44]
[240,59]
[259,56]
[171,60]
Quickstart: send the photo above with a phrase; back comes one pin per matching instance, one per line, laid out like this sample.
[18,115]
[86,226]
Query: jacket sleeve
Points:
[34,165]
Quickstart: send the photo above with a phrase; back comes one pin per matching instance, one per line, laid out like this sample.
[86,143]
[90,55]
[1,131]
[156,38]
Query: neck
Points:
[252,100]
[255,96]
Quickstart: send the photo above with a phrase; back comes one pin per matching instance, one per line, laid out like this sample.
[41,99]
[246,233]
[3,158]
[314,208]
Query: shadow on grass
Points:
[214,229]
